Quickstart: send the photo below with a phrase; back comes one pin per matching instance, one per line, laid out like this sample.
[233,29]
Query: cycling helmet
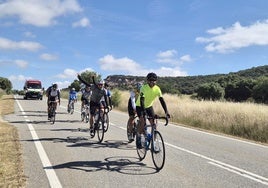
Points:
[55,86]
[151,76]
[101,82]
[138,85]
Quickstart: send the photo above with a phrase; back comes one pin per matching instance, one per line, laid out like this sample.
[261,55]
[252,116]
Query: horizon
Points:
[58,39]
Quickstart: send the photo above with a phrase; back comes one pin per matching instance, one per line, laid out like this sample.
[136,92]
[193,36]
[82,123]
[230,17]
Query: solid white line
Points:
[241,173]
[51,174]
[226,166]
[253,176]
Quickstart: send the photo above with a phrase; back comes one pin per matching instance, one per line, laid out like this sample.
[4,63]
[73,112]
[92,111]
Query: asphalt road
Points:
[60,155]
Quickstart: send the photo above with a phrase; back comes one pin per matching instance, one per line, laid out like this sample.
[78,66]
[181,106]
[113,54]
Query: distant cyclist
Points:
[72,97]
[144,105]
[97,93]
[53,94]
[85,98]
[132,110]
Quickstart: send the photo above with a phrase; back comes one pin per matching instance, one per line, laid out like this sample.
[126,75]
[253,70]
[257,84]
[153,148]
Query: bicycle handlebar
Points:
[160,117]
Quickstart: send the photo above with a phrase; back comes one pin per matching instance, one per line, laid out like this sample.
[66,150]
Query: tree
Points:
[210,91]
[5,84]
[260,90]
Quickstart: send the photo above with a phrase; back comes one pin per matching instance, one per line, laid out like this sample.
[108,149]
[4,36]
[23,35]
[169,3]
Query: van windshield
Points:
[34,86]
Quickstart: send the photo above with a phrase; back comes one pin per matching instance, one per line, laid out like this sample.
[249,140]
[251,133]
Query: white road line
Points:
[220,164]
[50,172]
[239,171]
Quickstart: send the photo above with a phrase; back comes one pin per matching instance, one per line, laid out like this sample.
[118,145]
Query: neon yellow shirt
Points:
[150,94]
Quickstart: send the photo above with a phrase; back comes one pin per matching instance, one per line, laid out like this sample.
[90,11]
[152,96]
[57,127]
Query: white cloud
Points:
[84,22]
[171,57]
[21,63]
[29,34]
[7,44]
[38,12]
[68,73]
[235,37]
[48,57]
[110,63]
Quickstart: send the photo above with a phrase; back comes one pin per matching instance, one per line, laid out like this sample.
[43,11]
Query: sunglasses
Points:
[152,80]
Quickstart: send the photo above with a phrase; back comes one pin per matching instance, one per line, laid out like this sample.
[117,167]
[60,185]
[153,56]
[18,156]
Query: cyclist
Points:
[132,110]
[85,98]
[72,96]
[53,94]
[144,105]
[109,95]
[97,93]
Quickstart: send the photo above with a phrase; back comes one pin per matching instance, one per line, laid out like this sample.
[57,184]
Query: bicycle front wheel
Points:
[53,116]
[100,130]
[106,122]
[158,150]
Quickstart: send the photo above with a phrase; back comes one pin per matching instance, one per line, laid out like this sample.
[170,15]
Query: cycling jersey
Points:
[72,95]
[149,94]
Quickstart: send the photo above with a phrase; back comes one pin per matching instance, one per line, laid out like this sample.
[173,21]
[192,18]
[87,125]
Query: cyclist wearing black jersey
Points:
[97,93]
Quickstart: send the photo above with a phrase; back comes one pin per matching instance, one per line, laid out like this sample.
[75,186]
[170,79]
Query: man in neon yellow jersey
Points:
[144,104]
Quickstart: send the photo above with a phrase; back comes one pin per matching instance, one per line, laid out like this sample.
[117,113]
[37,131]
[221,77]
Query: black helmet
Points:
[55,86]
[151,76]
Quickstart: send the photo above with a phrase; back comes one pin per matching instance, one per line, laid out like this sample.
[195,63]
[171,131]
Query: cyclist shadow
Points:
[120,164]
[94,143]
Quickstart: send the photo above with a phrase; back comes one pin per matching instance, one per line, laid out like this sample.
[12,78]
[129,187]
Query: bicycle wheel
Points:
[83,116]
[158,150]
[100,129]
[141,150]
[53,115]
[106,122]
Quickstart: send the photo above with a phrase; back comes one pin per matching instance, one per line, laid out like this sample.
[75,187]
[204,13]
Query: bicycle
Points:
[134,128]
[154,142]
[71,107]
[85,113]
[52,111]
[98,125]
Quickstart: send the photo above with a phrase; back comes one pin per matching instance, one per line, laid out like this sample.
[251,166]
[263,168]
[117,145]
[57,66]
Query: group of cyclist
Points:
[97,95]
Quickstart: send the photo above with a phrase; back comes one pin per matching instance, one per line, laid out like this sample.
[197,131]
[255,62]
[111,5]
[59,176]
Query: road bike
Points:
[71,106]
[152,140]
[52,111]
[98,125]
[134,129]
[85,113]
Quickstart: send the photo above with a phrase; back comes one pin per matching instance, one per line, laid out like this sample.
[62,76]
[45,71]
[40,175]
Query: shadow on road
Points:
[120,164]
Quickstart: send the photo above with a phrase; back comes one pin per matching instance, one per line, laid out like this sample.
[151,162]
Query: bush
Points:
[116,98]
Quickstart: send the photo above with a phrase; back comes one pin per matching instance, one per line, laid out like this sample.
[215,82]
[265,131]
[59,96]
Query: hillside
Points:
[187,84]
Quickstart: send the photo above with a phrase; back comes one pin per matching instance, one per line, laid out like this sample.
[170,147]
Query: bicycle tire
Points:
[106,121]
[83,116]
[100,129]
[158,150]
[140,151]
[53,115]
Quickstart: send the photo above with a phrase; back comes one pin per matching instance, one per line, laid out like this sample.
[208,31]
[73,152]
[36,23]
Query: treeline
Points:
[245,85]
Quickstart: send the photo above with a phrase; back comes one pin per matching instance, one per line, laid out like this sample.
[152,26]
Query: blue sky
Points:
[53,40]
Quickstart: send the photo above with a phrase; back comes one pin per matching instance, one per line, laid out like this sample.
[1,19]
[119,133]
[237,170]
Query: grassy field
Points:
[11,165]
[245,120]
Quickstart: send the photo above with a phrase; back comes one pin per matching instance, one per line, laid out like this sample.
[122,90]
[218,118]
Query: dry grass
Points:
[246,120]
[11,167]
